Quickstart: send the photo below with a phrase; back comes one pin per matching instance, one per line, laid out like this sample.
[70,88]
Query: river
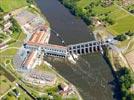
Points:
[91,75]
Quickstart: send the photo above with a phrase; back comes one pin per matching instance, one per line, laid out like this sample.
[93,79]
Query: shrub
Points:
[129,33]
[121,37]
[125,83]
[1,10]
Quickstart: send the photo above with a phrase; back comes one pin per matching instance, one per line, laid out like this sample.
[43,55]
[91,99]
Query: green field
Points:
[124,21]
[122,25]
[5,84]
[8,5]
[22,96]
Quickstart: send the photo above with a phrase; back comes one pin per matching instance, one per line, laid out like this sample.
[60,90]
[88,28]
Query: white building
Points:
[31,61]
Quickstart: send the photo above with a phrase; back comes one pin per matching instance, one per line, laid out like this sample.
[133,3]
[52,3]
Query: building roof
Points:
[48,46]
[30,59]
[38,37]
[55,46]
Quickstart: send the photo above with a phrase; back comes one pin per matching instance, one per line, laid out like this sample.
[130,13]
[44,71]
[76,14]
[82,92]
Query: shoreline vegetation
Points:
[77,11]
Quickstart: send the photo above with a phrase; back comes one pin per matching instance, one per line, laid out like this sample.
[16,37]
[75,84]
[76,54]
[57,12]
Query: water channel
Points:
[91,75]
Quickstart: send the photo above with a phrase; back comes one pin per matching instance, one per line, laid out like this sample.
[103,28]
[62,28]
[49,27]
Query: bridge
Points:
[65,51]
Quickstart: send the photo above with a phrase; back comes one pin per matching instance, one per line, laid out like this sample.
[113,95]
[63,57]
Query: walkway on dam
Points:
[64,51]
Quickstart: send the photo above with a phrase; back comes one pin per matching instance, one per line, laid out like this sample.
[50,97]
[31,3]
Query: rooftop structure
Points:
[31,61]
[49,49]
[39,37]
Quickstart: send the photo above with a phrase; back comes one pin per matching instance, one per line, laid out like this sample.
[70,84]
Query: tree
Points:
[86,18]
[1,10]
[78,11]
[15,27]
[130,96]
[125,83]
[132,11]
[121,37]
[129,33]
[30,1]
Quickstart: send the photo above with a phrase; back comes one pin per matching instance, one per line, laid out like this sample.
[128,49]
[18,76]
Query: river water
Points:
[91,75]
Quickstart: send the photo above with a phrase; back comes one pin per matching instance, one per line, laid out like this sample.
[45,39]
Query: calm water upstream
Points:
[91,75]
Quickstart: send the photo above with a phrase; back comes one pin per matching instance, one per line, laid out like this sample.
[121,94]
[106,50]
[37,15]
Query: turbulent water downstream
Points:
[91,75]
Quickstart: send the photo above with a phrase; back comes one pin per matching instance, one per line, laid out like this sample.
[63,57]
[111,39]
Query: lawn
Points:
[123,20]
[10,51]
[11,95]
[44,68]
[19,40]
[5,84]
[115,12]
[122,25]
[8,5]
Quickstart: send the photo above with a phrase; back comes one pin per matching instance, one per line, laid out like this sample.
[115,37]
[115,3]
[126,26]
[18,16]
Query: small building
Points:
[7,17]
[63,87]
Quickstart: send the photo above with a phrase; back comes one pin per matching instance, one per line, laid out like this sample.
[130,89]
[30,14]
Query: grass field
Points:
[5,84]
[44,68]
[10,51]
[122,25]
[8,5]
[11,95]
[124,21]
